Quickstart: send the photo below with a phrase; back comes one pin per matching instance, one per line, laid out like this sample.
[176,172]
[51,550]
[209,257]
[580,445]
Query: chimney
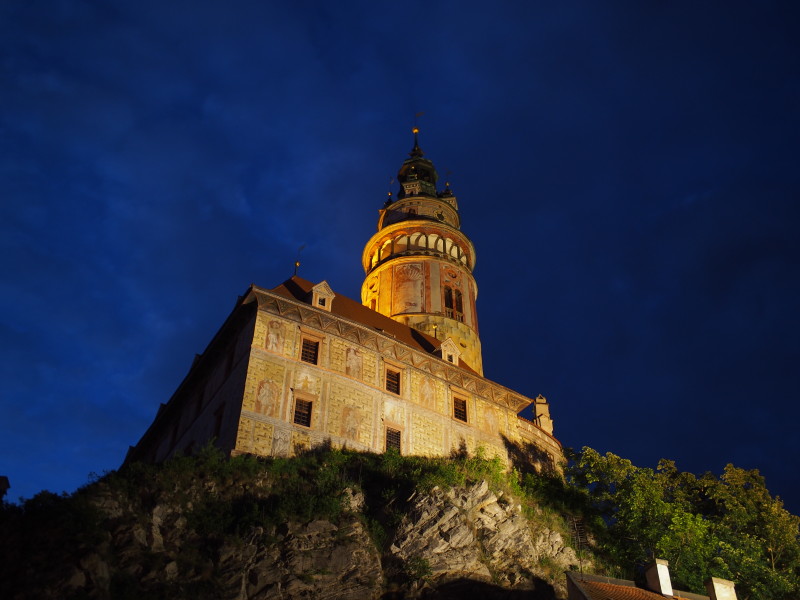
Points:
[720,589]
[656,574]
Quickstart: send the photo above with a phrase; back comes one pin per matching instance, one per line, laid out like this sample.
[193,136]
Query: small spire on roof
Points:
[416,151]
[297,260]
[389,198]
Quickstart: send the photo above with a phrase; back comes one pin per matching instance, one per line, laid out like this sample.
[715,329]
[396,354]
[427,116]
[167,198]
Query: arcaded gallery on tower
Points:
[299,365]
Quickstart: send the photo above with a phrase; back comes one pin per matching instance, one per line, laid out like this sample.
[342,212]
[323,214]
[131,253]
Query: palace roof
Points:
[301,290]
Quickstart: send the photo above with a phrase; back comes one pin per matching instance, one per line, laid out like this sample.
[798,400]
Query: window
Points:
[460,409]
[310,351]
[392,439]
[453,303]
[302,412]
[393,381]
[320,294]
[448,301]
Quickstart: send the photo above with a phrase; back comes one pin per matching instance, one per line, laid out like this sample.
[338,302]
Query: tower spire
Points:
[416,151]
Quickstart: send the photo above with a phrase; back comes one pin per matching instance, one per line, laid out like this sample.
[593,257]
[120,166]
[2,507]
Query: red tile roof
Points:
[609,591]
[299,289]
[595,587]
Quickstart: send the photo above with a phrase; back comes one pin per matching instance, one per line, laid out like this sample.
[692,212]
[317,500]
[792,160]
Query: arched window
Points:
[453,303]
[386,250]
[401,244]
[448,301]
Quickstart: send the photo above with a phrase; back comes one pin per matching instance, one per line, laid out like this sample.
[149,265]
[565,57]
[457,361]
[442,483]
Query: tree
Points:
[727,527]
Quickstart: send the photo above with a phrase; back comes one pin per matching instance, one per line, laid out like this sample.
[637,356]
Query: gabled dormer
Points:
[322,296]
[450,351]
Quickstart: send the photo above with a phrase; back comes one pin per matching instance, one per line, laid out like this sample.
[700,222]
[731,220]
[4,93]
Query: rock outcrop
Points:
[318,560]
[470,533]
[176,535]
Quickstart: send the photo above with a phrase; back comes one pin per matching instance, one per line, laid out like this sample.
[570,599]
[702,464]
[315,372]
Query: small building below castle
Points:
[300,365]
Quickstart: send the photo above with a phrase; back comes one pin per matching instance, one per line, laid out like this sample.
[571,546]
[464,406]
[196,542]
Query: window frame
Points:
[399,436]
[390,368]
[460,408]
[307,353]
[453,302]
[306,403]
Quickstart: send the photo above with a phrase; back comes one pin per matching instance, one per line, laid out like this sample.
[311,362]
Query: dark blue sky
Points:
[627,170]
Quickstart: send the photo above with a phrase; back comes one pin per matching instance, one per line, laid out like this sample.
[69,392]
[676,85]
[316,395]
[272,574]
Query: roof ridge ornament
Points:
[416,151]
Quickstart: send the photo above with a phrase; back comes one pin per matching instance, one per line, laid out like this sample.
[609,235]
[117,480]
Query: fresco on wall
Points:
[452,275]
[427,393]
[409,287]
[275,336]
[281,442]
[307,382]
[267,399]
[351,422]
[353,363]
[393,412]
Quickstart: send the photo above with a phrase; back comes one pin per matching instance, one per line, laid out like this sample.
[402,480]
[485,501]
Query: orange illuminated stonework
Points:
[419,263]
[299,365]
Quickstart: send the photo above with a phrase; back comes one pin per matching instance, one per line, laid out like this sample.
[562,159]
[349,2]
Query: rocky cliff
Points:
[328,525]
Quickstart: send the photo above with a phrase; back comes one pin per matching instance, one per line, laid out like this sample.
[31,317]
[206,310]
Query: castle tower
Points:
[419,264]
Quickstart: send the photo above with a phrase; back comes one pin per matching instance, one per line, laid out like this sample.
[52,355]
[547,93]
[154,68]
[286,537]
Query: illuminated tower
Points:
[419,264]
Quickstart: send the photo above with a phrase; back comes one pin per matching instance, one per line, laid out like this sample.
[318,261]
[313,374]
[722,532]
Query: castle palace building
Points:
[299,365]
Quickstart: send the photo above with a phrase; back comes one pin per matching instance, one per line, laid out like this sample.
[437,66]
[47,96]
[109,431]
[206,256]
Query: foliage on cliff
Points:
[206,526]
[194,527]
[728,526]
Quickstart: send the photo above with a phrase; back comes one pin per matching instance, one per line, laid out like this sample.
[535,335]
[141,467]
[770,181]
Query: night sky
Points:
[627,170]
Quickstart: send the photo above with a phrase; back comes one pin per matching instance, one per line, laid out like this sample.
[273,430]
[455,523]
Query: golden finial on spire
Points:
[297,260]
[415,129]
[416,151]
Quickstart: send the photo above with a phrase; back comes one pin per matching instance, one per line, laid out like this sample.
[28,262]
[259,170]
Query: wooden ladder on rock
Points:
[579,537]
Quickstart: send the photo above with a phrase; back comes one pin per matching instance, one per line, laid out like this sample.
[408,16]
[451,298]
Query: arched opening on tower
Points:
[453,303]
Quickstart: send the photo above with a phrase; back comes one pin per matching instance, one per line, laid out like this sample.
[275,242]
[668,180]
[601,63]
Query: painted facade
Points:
[299,365]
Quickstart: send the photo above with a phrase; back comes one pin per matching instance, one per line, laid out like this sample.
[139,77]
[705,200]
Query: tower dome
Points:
[417,176]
